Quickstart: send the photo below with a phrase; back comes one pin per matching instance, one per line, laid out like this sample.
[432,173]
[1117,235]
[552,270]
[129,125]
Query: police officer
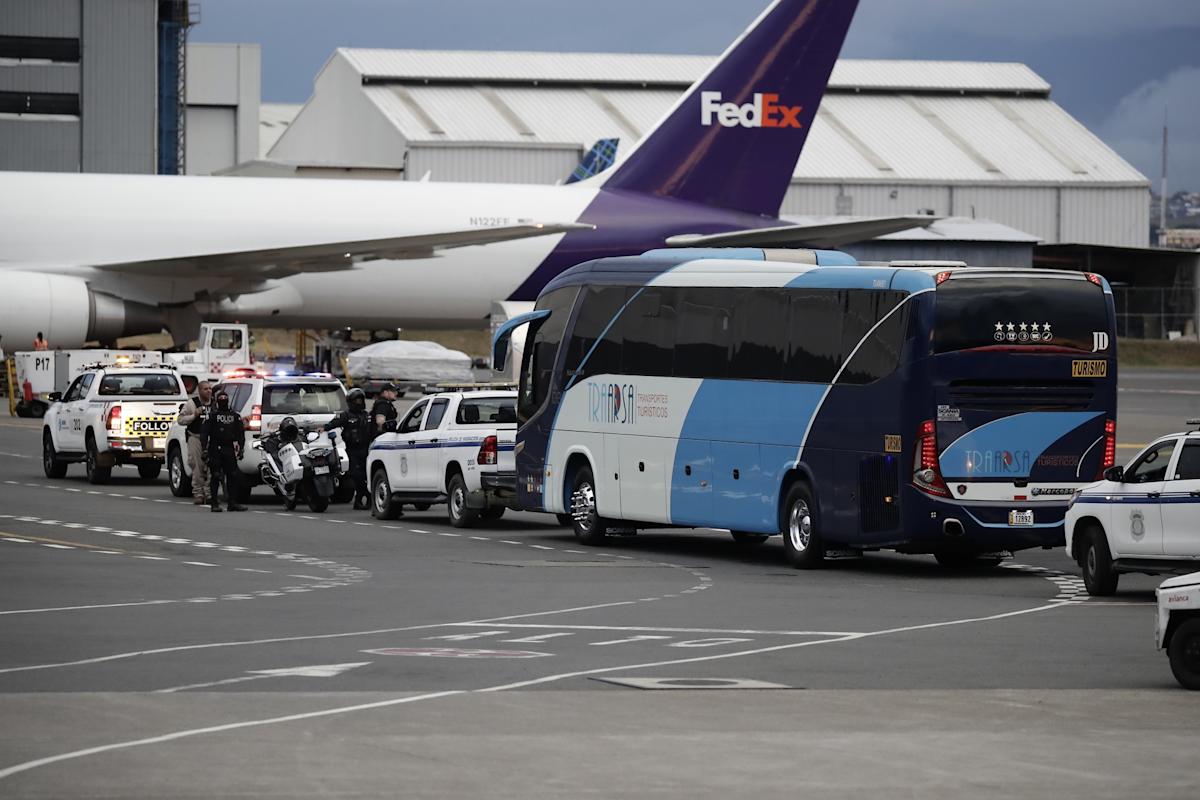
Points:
[225,438]
[194,417]
[358,428]
[384,410]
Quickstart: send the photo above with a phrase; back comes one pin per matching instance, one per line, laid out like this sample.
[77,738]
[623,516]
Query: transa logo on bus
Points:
[614,403]
[996,463]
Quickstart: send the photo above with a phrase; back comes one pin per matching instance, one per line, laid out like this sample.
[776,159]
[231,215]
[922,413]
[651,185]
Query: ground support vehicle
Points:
[1143,517]
[220,349]
[920,407]
[264,401]
[112,415]
[40,373]
[1178,627]
[454,448]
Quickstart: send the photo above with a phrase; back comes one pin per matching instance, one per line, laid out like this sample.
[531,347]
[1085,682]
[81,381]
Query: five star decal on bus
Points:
[1023,332]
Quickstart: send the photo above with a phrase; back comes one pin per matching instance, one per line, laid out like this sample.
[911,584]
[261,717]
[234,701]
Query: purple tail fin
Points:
[734,138]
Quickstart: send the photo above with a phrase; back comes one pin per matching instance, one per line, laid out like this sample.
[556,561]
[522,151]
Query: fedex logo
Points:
[764,112]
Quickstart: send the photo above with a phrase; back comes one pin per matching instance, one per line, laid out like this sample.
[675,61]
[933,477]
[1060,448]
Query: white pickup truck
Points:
[1178,627]
[454,448]
[112,415]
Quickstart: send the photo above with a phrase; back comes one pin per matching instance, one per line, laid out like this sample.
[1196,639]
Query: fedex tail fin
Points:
[733,140]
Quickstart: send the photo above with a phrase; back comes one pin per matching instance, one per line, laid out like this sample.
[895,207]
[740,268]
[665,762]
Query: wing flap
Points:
[279,262]
[820,235]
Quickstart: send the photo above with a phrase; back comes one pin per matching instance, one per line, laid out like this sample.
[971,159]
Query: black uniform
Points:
[358,429]
[226,437]
[384,408]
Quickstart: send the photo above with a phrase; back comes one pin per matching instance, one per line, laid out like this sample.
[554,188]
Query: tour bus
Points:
[921,407]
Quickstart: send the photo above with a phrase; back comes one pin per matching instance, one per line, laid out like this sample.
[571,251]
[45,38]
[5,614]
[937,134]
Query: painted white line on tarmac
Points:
[81,608]
[199,564]
[58,546]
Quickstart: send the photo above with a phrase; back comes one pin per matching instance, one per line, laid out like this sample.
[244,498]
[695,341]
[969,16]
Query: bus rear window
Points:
[1018,312]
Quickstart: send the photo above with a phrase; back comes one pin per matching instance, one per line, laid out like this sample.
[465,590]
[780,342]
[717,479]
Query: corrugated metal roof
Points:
[671,70]
[1001,130]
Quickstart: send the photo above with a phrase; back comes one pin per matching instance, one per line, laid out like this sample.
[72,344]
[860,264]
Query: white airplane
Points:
[86,257]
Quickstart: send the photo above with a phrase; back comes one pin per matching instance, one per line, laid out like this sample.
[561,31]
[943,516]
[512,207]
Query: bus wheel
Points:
[589,527]
[801,540]
[744,538]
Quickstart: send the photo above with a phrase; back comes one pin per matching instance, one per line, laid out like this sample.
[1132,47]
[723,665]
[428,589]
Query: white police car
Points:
[1178,627]
[1144,517]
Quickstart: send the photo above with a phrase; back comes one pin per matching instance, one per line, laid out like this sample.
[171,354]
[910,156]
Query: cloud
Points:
[1134,129]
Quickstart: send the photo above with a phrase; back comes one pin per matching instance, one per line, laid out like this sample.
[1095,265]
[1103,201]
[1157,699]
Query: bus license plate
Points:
[1020,517]
[325,471]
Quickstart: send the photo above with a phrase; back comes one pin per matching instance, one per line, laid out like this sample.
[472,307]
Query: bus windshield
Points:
[1002,313]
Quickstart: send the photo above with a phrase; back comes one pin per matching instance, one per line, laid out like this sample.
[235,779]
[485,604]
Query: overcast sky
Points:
[1114,64]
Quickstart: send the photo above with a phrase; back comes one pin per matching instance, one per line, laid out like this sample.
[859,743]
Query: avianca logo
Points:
[764,112]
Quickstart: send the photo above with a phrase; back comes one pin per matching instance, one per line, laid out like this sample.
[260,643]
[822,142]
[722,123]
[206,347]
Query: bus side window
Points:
[703,333]
[587,353]
[760,323]
[879,354]
[814,335]
[648,332]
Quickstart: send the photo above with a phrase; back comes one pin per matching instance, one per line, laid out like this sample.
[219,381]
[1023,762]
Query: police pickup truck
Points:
[455,448]
[1178,627]
[112,415]
[1144,517]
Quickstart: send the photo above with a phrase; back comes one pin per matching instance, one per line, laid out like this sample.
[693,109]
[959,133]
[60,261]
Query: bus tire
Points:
[748,539]
[1099,577]
[565,520]
[589,526]
[802,543]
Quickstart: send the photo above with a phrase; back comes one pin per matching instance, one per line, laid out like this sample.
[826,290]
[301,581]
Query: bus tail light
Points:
[488,452]
[254,421]
[927,473]
[1093,277]
[942,277]
[113,420]
[1110,448]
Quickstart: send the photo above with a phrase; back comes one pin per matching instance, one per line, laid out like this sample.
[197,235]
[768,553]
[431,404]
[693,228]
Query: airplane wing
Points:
[833,232]
[279,262]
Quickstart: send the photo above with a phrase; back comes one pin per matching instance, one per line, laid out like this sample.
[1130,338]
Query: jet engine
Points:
[67,311]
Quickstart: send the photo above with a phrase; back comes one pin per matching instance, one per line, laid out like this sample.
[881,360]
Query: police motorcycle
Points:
[302,467]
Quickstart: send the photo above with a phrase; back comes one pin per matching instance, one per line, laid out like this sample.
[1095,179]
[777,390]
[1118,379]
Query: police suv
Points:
[263,400]
[112,415]
[454,448]
[1144,517]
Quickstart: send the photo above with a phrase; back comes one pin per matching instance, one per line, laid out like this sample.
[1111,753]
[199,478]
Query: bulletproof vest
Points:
[358,429]
[197,424]
[226,427]
[384,407]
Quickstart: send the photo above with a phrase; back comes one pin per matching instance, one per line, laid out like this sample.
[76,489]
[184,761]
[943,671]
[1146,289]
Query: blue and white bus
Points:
[925,408]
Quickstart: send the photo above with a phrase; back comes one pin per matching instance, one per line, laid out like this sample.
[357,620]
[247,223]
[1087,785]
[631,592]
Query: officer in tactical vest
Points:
[358,429]
[226,437]
[384,410]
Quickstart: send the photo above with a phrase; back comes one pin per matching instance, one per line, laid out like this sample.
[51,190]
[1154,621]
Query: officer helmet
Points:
[357,397]
[288,430]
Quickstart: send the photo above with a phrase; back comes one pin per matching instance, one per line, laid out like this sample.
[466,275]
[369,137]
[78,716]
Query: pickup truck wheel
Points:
[50,462]
[456,503]
[149,470]
[181,484]
[801,540]
[743,538]
[1184,652]
[1098,574]
[96,474]
[589,526]
[382,504]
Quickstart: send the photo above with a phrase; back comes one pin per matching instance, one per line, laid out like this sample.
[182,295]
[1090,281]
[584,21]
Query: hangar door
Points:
[211,139]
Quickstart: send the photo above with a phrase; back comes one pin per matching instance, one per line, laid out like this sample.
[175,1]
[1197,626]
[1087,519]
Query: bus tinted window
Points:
[814,336]
[541,349]
[703,333]
[879,354]
[969,309]
[648,330]
[760,329]
[596,332]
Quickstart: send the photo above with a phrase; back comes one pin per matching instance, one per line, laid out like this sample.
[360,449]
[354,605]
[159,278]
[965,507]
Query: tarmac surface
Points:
[152,649]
